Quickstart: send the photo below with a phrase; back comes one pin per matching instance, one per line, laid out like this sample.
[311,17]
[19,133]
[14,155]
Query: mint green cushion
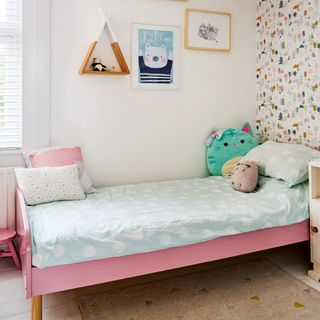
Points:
[283,161]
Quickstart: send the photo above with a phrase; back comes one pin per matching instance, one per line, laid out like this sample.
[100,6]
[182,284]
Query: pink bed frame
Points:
[39,282]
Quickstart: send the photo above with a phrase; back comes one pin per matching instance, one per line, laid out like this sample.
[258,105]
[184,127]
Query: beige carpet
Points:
[251,290]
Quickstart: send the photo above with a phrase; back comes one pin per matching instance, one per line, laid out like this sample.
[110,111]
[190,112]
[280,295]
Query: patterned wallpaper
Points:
[288,59]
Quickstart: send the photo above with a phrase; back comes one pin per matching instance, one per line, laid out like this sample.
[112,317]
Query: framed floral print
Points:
[207,30]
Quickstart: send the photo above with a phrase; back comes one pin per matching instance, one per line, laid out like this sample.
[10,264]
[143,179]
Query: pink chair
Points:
[6,238]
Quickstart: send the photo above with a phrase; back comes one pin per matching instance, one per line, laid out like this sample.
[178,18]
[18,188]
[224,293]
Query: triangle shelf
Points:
[116,50]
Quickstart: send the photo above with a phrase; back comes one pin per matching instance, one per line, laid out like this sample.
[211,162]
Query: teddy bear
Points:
[245,176]
[155,64]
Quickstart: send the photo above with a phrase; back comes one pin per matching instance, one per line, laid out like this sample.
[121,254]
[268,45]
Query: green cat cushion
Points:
[227,147]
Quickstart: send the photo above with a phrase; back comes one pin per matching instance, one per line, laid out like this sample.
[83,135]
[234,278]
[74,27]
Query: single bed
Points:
[152,227]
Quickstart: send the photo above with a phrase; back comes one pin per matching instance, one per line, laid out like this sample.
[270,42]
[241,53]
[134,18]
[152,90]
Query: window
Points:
[10,74]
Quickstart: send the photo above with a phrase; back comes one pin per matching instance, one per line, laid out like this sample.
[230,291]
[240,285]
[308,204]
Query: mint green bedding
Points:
[130,219]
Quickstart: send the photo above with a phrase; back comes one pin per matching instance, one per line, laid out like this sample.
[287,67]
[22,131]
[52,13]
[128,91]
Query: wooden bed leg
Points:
[315,273]
[37,308]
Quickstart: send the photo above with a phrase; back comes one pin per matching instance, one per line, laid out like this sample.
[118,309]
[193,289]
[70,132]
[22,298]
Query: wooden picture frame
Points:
[207,30]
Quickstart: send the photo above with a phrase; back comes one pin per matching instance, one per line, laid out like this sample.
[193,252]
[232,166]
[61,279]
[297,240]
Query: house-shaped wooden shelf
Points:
[85,68]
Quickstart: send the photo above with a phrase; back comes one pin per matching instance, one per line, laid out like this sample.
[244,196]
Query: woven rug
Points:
[250,290]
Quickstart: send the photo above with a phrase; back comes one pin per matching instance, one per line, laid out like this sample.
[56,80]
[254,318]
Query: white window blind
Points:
[10,74]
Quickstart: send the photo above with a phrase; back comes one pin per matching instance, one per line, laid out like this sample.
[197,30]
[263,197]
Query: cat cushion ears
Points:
[247,128]
[225,148]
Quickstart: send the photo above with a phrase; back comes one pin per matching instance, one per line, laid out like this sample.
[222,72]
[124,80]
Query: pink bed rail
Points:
[65,277]
[24,236]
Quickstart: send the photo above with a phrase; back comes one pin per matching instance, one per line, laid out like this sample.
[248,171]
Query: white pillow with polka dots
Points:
[42,185]
[283,161]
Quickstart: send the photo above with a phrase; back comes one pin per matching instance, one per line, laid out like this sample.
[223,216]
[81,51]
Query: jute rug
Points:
[251,290]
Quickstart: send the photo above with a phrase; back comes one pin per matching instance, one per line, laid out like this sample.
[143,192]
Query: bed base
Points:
[39,282]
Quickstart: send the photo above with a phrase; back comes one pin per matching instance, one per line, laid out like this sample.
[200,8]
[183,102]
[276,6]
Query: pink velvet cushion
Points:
[58,157]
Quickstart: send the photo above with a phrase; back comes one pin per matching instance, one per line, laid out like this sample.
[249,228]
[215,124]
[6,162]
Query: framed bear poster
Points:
[155,61]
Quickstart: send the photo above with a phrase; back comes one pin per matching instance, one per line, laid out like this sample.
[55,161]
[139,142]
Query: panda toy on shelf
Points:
[98,66]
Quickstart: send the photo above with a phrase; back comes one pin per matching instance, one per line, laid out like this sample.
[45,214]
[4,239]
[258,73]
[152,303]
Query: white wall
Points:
[132,136]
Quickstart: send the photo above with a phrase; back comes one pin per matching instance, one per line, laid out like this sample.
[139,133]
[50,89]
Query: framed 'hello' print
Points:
[155,57]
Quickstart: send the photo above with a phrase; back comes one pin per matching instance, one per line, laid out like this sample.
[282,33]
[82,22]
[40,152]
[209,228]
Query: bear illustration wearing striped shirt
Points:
[155,65]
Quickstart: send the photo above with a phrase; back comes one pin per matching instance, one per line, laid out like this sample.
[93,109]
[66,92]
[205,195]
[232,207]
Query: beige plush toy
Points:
[245,176]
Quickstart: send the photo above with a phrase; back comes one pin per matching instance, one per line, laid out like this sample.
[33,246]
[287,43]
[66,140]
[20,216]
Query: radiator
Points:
[7,198]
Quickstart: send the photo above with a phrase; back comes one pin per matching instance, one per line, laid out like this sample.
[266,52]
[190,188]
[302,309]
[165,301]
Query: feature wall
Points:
[131,135]
[288,59]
